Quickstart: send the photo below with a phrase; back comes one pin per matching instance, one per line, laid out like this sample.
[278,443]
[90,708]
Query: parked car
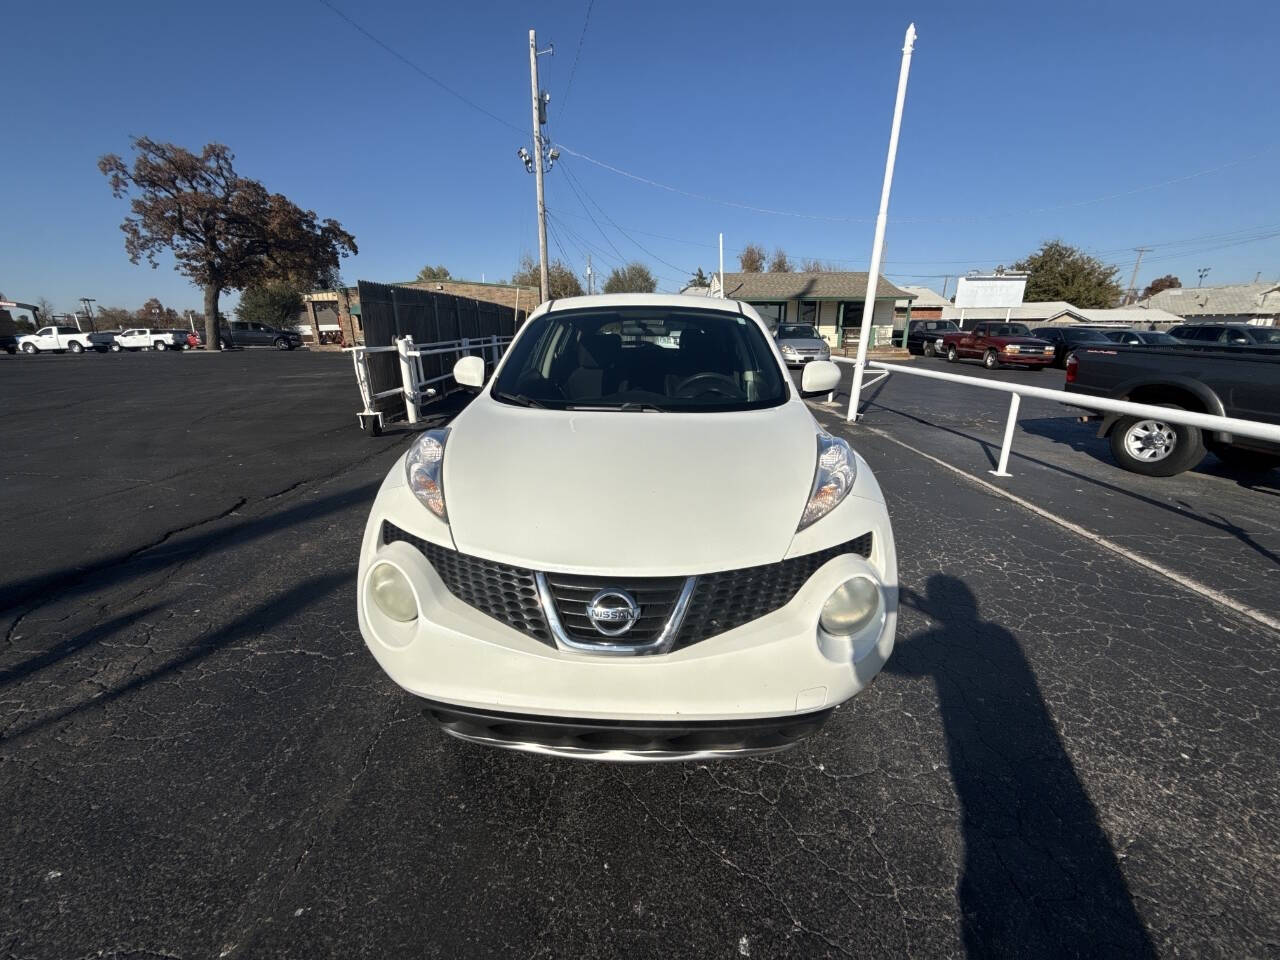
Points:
[996,343]
[246,333]
[635,543]
[1066,340]
[923,335]
[8,333]
[64,340]
[1241,382]
[800,344]
[1141,338]
[1229,334]
[145,338]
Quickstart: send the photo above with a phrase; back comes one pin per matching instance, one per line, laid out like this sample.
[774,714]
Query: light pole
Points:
[88,309]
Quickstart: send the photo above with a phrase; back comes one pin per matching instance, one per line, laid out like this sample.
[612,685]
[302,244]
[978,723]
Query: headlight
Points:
[392,593]
[1012,348]
[832,480]
[788,350]
[423,467]
[851,607]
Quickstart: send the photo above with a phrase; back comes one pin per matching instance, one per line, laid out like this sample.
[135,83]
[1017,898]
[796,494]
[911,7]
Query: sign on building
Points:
[991,290]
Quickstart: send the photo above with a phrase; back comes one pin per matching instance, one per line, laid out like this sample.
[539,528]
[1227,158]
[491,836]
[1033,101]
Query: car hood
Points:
[802,343]
[648,494]
[1023,341]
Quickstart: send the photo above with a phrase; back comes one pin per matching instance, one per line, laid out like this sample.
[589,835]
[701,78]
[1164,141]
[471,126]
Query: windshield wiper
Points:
[631,406]
[519,399]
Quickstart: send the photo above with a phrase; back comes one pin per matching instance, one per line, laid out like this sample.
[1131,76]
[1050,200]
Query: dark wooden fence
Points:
[388,312]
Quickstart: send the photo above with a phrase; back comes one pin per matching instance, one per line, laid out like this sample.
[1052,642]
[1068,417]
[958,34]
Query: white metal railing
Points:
[415,386]
[1253,429]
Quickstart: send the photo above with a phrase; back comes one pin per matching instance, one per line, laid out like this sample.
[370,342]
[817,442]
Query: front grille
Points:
[655,596]
[506,593]
[720,601]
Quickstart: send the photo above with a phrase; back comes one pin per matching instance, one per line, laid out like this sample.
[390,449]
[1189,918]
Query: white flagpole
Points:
[873,277]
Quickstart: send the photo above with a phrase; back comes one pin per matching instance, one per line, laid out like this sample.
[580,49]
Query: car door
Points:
[1237,337]
[262,334]
[968,341]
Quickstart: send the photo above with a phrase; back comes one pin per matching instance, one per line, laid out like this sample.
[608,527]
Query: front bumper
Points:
[780,666]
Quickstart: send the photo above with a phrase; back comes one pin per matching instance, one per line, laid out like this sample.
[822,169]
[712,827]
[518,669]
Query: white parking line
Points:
[1185,582]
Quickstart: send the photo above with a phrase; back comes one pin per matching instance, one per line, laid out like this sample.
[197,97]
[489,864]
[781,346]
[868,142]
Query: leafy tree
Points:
[1167,282]
[225,231]
[632,278]
[563,282]
[429,272]
[1058,271]
[699,279]
[751,258]
[277,304]
[779,262]
[153,313]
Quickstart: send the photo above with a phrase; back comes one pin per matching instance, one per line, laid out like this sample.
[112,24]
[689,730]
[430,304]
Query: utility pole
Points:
[877,244]
[1201,273]
[1130,296]
[539,118]
[590,285]
[945,280]
[88,309]
[722,266]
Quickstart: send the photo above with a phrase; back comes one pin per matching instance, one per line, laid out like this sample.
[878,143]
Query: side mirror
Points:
[820,376]
[469,372]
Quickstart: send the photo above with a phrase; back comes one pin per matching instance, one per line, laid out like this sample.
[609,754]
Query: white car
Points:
[62,340]
[145,338]
[635,543]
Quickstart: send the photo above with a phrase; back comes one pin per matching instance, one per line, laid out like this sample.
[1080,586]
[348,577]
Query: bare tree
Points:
[809,265]
[779,262]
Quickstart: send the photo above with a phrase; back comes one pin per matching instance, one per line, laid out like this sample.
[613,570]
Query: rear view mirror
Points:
[469,372]
[820,376]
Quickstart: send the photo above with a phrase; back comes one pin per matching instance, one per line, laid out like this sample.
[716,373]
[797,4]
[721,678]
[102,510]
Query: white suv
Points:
[636,543]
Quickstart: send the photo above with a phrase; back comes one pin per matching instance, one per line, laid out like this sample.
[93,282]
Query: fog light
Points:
[392,593]
[851,607]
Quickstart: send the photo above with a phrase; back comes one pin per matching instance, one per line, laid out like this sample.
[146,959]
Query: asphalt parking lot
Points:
[1069,753]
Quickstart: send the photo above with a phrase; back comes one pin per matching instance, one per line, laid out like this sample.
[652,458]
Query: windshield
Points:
[1158,338]
[797,331]
[1088,336]
[639,358]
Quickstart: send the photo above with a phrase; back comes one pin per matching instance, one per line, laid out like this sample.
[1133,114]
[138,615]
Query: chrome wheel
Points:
[1150,440]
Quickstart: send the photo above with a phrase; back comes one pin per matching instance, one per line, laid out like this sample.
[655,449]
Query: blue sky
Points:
[1108,125]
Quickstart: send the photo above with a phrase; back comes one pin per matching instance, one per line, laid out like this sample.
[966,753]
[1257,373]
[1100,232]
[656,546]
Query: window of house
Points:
[809,312]
[771,313]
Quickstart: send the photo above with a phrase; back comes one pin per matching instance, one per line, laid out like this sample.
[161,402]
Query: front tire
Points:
[30,349]
[952,354]
[930,350]
[991,360]
[1156,448]
[116,348]
[282,344]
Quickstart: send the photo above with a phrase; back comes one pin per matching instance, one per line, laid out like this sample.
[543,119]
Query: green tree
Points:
[1058,271]
[751,258]
[780,262]
[429,272]
[634,277]
[562,280]
[153,313]
[1167,282]
[277,304]
[225,231]
[699,279]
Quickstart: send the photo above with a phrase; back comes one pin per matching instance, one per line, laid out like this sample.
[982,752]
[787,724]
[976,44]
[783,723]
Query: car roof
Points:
[646,300]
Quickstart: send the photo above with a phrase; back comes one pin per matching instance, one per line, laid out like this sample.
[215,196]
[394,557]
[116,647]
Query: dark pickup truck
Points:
[1243,382]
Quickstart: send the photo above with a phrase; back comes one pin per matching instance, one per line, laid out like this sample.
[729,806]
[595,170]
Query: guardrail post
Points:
[403,346]
[1003,470]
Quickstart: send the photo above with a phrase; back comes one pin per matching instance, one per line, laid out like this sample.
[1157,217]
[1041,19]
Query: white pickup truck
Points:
[145,338]
[62,340]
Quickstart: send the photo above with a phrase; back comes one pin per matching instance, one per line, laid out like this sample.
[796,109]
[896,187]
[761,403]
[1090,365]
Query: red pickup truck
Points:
[997,343]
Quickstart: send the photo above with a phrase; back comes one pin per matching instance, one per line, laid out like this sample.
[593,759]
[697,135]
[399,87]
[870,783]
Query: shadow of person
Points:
[1040,877]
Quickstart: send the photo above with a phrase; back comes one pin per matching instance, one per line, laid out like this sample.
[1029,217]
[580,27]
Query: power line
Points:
[418,70]
[574,69]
